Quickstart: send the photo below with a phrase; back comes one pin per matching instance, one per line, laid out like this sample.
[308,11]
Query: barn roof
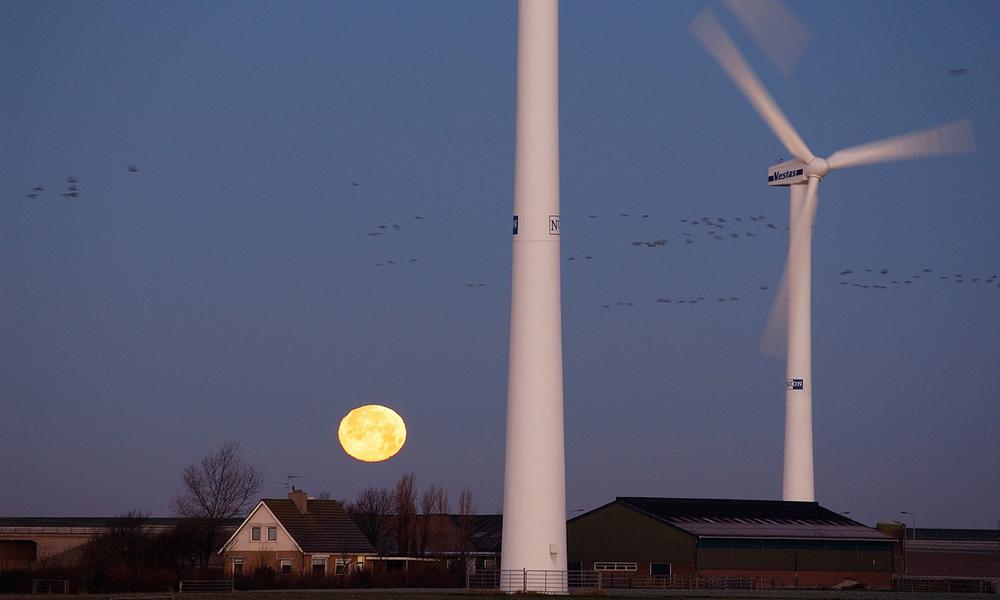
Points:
[774,519]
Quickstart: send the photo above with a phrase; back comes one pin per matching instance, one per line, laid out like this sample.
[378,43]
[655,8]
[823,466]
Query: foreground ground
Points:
[460,594]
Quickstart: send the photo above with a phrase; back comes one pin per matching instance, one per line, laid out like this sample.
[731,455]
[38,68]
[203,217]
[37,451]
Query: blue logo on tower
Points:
[515,224]
[795,384]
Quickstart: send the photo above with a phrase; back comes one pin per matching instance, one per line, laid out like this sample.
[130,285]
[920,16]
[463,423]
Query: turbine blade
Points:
[708,30]
[952,138]
[774,340]
[778,32]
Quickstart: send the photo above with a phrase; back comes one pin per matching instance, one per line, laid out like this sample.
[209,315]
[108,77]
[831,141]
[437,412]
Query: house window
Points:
[341,566]
[255,534]
[286,566]
[319,567]
[615,566]
[490,564]
[237,567]
[659,569]
[272,534]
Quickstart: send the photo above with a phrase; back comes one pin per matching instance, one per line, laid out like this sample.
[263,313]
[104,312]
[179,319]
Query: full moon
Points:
[372,433]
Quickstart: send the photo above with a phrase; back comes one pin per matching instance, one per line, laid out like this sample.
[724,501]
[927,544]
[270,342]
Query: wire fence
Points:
[968,585]
[561,582]
[205,585]
[50,586]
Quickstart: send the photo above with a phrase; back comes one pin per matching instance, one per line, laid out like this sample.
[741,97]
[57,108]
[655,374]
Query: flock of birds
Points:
[694,230]
[883,279]
[716,228]
[72,187]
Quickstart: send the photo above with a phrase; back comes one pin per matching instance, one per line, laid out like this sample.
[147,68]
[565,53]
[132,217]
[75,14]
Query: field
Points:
[461,594]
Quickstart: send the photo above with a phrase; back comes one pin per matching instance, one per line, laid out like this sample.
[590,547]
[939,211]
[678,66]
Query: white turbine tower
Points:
[534,501]
[802,175]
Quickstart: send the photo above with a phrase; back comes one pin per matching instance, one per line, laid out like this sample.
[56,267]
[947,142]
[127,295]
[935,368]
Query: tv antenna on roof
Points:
[289,486]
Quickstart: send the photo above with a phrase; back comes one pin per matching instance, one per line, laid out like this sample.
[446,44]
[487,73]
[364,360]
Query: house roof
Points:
[752,518]
[445,533]
[325,528]
[486,532]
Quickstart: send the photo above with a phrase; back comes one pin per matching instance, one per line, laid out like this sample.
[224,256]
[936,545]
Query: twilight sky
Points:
[230,289]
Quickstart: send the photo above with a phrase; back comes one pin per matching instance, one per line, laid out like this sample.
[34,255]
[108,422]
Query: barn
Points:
[770,543]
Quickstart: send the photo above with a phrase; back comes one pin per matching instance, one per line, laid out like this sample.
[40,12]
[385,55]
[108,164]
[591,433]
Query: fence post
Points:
[524,580]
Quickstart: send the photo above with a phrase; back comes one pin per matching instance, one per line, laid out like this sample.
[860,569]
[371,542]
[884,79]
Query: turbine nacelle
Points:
[787,173]
[795,171]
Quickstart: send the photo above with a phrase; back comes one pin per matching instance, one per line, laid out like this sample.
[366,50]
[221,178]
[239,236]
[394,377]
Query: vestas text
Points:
[778,176]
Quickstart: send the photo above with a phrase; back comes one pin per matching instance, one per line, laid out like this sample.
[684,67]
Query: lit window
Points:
[272,534]
[255,534]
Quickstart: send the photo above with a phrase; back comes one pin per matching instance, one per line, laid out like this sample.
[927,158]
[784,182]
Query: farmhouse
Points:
[297,536]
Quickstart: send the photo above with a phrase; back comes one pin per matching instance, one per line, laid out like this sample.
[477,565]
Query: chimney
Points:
[301,500]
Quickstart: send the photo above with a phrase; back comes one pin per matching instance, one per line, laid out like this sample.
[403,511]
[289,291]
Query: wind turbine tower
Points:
[534,502]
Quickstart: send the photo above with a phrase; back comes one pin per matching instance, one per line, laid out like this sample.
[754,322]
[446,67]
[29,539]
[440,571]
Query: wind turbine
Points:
[802,176]
[534,496]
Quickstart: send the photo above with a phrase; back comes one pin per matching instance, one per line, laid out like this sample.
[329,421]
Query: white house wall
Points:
[261,517]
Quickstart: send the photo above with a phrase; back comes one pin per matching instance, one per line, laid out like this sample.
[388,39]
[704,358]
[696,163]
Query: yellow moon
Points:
[372,433]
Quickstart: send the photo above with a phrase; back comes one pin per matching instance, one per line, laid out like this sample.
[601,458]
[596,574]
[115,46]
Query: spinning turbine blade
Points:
[952,138]
[779,33]
[708,30]
[774,341]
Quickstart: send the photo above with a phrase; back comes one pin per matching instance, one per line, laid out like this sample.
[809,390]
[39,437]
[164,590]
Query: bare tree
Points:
[115,557]
[466,521]
[372,512]
[216,488]
[405,503]
[434,501]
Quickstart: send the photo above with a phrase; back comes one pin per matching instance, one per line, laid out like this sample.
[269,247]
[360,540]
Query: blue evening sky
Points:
[229,289]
